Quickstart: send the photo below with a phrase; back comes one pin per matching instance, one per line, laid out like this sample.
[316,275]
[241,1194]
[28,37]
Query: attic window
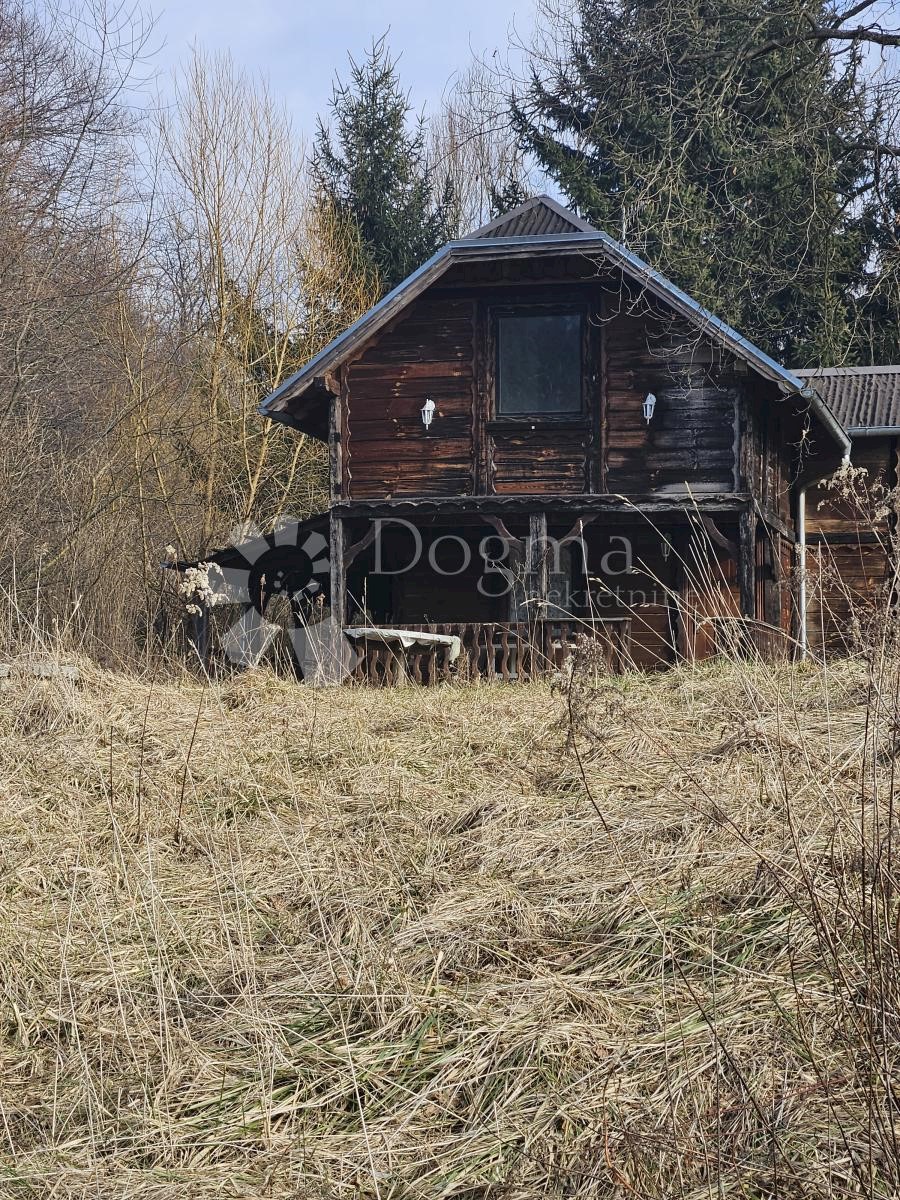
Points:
[539,364]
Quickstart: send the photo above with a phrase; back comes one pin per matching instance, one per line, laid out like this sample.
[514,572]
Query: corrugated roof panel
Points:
[537,217]
[862,398]
[533,223]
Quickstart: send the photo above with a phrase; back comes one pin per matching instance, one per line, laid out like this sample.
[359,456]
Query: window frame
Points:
[573,417]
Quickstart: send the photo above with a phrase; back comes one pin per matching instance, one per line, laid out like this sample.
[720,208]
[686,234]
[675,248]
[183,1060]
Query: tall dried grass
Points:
[627,937]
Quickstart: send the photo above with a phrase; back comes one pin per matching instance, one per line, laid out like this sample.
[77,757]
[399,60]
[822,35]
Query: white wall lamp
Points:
[428,413]
[649,406]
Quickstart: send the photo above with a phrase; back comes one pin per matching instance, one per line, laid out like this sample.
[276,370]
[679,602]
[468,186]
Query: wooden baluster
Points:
[504,653]
[442,663]
[490,661]
[526,653]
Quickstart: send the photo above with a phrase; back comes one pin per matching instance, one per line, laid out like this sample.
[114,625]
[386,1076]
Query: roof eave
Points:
[429,271]
[618,255]
[762,363]
[827,417]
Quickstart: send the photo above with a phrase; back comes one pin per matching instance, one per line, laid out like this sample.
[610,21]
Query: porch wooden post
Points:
[746,566]
[538,569]
[684,642]
[337,568]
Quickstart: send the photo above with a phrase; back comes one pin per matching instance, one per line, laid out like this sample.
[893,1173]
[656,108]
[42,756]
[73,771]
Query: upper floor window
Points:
[539,364]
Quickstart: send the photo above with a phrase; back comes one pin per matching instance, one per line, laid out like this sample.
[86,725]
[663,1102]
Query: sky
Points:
[301,44]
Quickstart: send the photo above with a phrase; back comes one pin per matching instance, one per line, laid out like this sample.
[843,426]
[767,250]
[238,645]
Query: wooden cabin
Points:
[849,535]
[536,433]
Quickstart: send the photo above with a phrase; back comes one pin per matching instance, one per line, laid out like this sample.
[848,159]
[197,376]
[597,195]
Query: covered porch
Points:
[509,587]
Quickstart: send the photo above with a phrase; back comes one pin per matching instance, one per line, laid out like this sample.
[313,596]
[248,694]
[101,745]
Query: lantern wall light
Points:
[649,406]
[428,412]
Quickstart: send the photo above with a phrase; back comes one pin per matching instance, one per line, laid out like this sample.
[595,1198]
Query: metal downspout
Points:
[801,562]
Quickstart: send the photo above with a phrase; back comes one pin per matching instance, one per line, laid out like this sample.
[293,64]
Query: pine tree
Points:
[373,169]
[721,143]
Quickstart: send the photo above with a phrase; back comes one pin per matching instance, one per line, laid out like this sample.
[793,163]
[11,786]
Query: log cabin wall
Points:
[848,559]
[386,454]
[771,440]
[691,438]
[444,347]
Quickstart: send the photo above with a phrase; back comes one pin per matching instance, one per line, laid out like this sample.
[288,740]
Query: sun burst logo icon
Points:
[290,565]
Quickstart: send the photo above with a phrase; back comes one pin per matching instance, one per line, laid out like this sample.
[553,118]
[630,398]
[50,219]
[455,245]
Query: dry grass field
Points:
[633,937]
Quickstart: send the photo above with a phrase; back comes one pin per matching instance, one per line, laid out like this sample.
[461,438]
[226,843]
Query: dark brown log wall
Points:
[386,451]
[848,551]
[545,460]
[442,348]
[771,448]
[691,438]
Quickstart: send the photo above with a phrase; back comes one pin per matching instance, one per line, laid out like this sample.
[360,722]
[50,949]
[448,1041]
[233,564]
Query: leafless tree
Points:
[473,146]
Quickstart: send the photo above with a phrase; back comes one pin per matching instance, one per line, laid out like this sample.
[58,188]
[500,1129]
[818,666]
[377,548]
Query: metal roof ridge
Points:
[820,372]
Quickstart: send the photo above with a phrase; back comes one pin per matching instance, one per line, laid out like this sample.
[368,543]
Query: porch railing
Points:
[509,651]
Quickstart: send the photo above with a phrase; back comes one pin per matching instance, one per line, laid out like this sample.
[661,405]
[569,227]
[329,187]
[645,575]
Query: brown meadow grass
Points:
[630,937]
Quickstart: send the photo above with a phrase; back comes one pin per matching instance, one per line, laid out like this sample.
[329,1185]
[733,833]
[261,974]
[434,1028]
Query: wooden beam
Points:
[337,568]
[602,415]
[717,537]
[862,538]
[500,525]
[578,528]
[776,523]
[746,564]
[480,382]
[335,448]
[628,507]
[357,548]
[684,640]
[329,383]
[537,567]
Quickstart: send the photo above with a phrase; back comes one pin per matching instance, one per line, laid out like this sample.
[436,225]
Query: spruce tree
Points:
[371,166]
[722,143]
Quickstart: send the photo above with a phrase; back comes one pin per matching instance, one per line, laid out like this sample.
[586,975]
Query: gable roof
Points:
[309,381]
[541,214]
[866,400]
